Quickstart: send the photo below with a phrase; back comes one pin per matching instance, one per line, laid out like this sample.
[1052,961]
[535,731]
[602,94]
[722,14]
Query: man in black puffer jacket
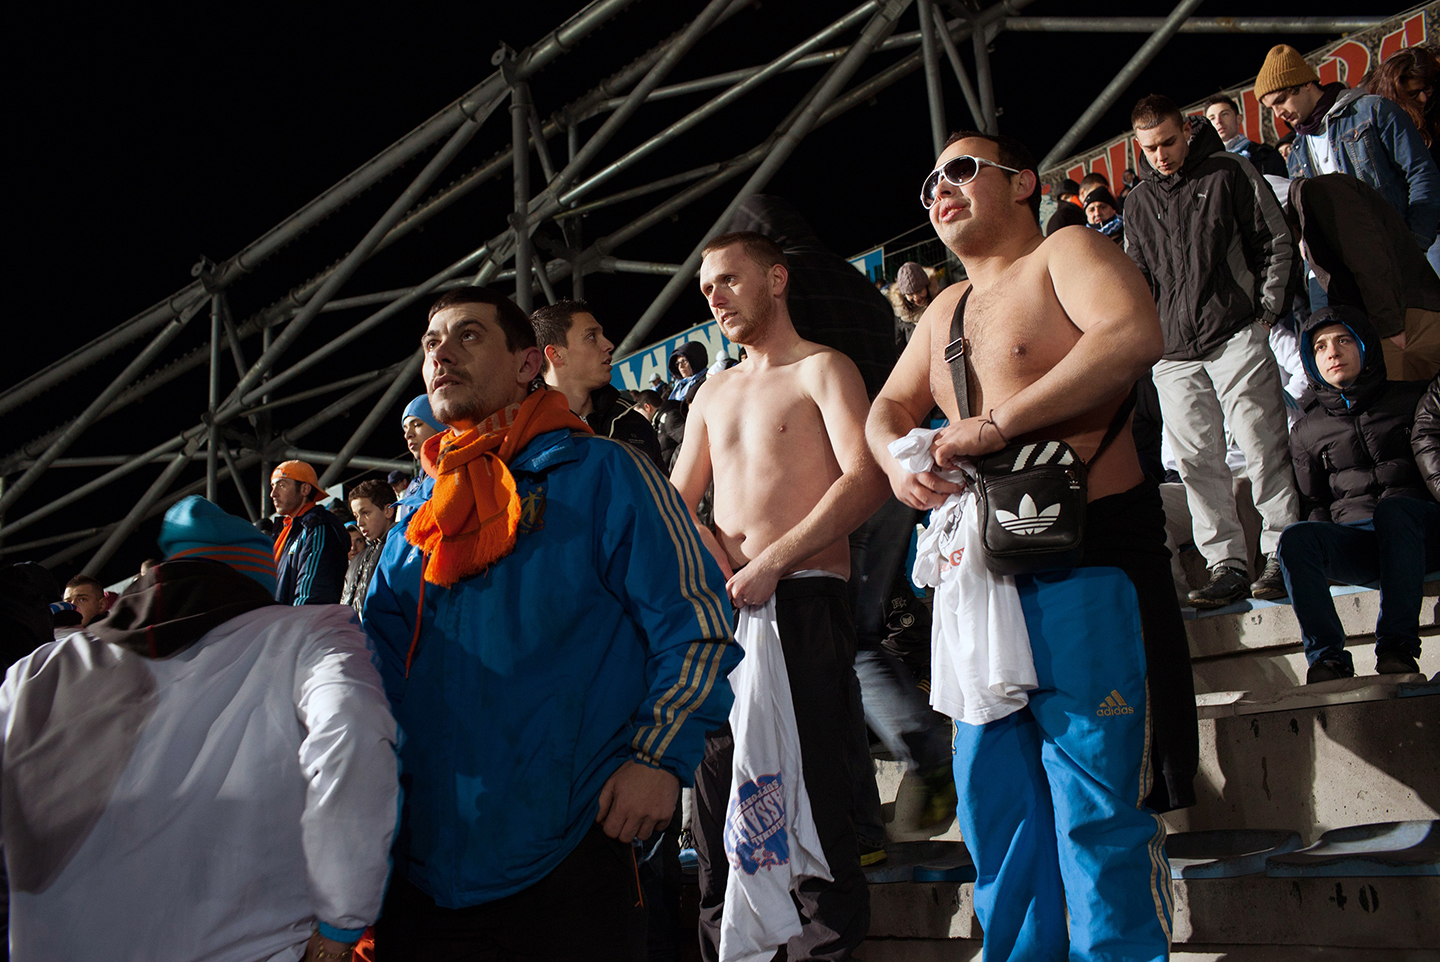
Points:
[1371,515]
[1205,230]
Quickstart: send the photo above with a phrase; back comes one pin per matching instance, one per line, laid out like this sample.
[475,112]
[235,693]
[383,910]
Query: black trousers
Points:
[1127,531]
[818,641]
[589,908]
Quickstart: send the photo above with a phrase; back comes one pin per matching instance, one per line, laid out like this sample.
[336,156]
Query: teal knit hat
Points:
[196,528]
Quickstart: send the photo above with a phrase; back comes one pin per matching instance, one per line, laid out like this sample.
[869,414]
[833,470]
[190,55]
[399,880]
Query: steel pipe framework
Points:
[566,195]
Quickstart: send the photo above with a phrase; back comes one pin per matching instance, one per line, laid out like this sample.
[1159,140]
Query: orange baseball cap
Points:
[295,471]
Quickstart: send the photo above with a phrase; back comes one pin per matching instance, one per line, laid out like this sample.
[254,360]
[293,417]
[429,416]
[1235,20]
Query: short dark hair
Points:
[377,492]
[1093,179]
[552,325]
[518,332]
[759,248]
[1012,153]
[648,396]
[1154,110]
[85,581]
[1220,99]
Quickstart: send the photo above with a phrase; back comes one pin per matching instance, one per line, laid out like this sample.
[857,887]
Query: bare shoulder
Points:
[822,367]
[1077,247]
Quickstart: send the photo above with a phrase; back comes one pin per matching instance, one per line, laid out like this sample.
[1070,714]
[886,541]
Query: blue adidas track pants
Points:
[1051,797]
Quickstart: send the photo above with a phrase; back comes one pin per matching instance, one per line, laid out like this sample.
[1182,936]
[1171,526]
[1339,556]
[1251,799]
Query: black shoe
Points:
[1227,586]
[1396,663]
[1328,671]
[1271,583]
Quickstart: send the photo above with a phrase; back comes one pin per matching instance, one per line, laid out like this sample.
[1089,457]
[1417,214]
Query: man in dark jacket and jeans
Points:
[1205,230]
[1371,516]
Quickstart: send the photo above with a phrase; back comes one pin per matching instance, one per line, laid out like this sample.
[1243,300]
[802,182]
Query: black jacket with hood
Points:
[1213,244]
[699,358]
[611,416]
[1425,437]
[1352,446]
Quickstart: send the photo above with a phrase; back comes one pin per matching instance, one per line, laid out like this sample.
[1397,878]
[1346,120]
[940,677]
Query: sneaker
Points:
[1328,671]
[940,798]
[1271,583]
[1396,663]
[1227,585]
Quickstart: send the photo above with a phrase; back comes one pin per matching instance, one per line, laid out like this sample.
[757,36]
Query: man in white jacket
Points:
[202,774]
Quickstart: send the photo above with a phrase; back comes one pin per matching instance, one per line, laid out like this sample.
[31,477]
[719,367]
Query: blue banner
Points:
[634,372]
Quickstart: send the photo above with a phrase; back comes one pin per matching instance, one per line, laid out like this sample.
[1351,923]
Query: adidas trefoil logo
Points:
[1028,521]
[1114,705]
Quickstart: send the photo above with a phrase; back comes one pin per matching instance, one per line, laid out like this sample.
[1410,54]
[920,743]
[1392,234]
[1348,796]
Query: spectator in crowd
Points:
[785,503]
[1351,132]
[1088,328]
[312,546]
[687,367]
[419,425]
[1103,213]
[829,303]
[915,286]
[357,543]
[1224,116]
[1128,182]
[648,403]
[1088,183]
[1284,146]
[399,481]
[136,784]
[87,594]
[669,423]
[373,502]
[1219,270]
[578,607]
[575,358]
[1363,256]
[1068,212]
[1425,438]
[1407,78]
[1369,512]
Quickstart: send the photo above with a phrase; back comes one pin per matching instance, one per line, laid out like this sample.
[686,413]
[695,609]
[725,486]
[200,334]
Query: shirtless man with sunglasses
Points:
[1058,331]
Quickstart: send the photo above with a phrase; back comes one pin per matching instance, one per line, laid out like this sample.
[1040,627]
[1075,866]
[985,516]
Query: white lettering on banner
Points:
[634,371]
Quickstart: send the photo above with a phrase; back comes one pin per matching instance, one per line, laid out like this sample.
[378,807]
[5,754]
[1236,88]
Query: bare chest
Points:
[764,416]
[1014,332]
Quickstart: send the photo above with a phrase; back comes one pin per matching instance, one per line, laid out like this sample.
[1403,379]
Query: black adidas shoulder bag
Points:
[1032,495]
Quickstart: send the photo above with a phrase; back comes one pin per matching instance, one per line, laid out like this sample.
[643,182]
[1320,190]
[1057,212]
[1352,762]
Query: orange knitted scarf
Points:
[470,521]
[284,538]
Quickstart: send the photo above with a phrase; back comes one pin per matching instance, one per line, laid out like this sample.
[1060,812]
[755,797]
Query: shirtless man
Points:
[782,437]
[1059,329]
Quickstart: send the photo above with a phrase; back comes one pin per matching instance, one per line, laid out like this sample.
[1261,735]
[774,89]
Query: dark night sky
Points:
[144,140]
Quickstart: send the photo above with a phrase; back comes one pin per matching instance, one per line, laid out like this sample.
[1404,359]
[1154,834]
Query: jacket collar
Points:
[544,452]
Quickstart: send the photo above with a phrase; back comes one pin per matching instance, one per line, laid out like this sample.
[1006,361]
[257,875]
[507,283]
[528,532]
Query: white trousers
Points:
[1237,385]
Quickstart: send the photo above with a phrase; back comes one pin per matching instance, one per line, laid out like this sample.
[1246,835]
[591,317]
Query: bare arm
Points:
[903,403]
[693,473]
[1105,296]
[834,383]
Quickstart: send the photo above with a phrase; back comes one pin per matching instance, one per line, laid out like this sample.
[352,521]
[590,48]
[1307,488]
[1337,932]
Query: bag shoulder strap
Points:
[955,353]
[959,346]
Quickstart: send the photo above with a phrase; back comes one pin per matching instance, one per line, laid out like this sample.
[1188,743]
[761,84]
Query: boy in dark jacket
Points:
[1370,515]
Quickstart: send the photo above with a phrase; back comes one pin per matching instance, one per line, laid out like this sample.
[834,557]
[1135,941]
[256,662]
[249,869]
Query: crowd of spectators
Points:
[1298,294]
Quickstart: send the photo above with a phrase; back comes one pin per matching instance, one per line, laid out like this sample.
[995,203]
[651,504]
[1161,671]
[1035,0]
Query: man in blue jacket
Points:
[555,643]
[1348,131]
[312,547]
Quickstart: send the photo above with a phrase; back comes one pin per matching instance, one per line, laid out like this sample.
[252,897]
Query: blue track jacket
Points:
[312,569]
[604,636]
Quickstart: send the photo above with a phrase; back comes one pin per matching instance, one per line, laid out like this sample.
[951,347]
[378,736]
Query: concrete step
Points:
[1377,912]
[1313,761]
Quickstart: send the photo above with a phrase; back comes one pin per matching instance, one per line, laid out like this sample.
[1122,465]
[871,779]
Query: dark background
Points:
[143,140]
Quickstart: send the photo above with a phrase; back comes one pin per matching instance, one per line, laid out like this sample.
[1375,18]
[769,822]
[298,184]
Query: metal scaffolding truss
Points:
[236,431]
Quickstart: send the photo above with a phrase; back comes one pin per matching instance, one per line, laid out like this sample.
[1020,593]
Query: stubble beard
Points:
[754,324]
